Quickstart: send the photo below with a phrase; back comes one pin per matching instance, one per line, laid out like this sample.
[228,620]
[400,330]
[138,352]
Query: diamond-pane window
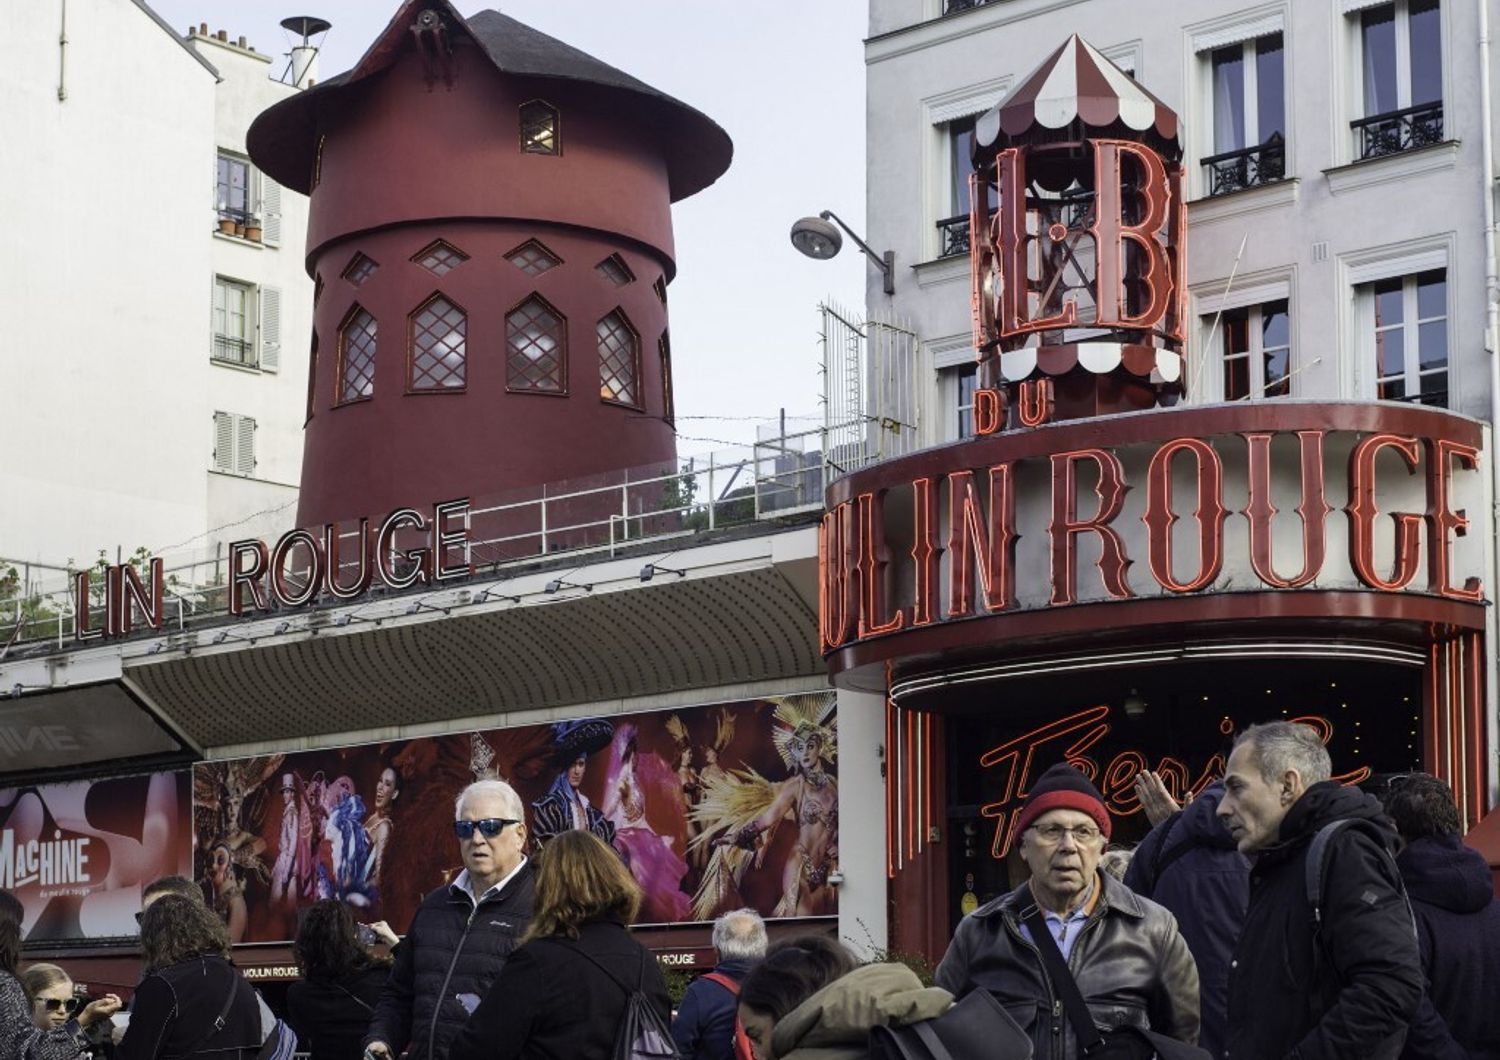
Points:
[614,269]
[436,359]
[357,356]
[532,258]
[619,359]
[440,257]
[539,129]
[536,348]
[660,287]
[360,269]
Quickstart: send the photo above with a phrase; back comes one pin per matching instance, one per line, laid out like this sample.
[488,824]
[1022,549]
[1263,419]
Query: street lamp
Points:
[818,239]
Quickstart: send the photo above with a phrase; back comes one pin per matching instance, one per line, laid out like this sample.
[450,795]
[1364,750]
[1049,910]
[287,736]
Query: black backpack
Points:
[974,1026]
[642,1034]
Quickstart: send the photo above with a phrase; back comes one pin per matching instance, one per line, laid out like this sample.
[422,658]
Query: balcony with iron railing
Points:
[229,350]
[951,6]
[1401,130]
[1246,167]
[953,236]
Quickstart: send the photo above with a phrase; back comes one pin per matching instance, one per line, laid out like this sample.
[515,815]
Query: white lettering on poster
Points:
[47,863]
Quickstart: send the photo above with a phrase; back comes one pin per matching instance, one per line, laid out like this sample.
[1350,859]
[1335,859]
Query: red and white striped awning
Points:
[1076,84]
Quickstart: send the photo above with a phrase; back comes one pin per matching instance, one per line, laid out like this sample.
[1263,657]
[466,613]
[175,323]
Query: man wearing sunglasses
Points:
[461,934]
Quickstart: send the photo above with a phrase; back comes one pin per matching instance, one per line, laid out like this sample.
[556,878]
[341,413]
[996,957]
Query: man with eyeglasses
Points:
[461,934]
[1130,962]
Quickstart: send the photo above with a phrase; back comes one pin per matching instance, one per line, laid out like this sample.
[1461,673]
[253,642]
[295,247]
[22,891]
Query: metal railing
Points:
[950,6]
[1399,130]
[234,351]
[783,474]
[1246,167]
[953,236]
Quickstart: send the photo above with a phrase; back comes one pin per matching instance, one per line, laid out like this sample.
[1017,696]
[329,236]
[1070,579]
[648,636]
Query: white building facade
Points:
[152,408]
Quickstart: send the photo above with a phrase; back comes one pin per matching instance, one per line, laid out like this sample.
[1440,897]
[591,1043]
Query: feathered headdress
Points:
[723,728]
[677,730]
[801,717]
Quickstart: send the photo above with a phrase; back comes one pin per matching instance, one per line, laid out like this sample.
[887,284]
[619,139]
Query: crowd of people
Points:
[1276,915]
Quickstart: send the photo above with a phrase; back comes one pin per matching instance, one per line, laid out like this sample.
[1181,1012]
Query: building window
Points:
[536,344]
[968,381]
[1249,114]
[357,356]
[234,197]
[440,257]
[539,133]
[1401,70]
[312,376]
[234,340]
[614,269]
[360,269]
[1255,346]
[660,289]
[533,258]
[664,352]
[234,443]
[317,173]
[437,350]
[953,231]
[619,359]
[1411,337]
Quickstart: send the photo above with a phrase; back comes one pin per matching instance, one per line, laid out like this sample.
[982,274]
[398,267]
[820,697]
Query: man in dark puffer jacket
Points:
[1458,924]
[462,933]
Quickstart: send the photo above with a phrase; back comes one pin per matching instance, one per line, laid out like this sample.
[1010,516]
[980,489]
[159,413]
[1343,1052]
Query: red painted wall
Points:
[406,165]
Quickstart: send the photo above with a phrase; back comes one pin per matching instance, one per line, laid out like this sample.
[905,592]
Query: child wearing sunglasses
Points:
[51,1027]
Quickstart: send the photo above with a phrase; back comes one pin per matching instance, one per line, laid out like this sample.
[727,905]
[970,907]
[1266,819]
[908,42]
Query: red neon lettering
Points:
[991,547]
[1066,526]
[873,560]
[1210,514]
[290,593]
[82,620]
[1037,403]
[331,551]
[385,551]
[989,411]
[241,578]
[838,602]
[1313,510]
[133,590]
[1111,234]
[1362,511]
[924,551]
[1443,520]
[446,539]
[1013,248]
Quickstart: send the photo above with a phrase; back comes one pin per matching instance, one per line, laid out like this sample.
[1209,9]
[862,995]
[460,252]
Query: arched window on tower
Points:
[437,348]
[356,356]
[539,129]
[619,360]
[536,348]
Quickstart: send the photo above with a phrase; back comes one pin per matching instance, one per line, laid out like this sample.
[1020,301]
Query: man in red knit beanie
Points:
[1125,953]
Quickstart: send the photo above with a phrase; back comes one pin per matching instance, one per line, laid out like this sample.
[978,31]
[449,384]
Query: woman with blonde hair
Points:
[32,1025]
[564,992]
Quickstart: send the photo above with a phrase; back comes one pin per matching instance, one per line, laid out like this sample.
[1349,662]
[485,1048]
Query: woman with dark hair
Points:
[189,986]
[562,995]
[330,1008]
[21,1035]
[808,998]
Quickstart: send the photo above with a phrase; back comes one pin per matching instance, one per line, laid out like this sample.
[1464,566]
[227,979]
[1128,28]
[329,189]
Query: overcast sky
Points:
[785,79]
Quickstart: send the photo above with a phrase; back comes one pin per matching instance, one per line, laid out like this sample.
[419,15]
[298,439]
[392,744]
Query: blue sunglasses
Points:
[489,827]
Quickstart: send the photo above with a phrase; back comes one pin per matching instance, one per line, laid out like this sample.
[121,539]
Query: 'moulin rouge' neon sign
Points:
[1016,760]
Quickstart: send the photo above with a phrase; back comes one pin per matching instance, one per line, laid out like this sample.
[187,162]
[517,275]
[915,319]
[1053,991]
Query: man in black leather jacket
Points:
[1348,990]
[1125,952]
[461,934]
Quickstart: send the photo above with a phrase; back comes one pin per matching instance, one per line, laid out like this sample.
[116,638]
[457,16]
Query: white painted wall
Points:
[1312,231]
[101,197]
[106,199]
[863,894]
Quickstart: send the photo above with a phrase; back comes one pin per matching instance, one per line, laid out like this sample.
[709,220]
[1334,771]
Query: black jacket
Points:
[1458,926]
[553,1003]
[704,1026]
[174,1007]
[1129,961]
[1206,886]
[1351,997]
[446,963]
[331,1016]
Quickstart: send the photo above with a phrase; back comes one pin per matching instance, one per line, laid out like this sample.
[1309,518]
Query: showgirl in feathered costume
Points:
[740,812]
[349,849]
[635,781]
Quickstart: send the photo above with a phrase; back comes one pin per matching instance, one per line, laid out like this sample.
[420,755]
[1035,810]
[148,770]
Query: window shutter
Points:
[223,441]
[270,210]
[270,329]
[244,455]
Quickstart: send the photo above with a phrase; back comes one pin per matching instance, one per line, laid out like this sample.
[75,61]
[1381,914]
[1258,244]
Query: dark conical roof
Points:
[283,139]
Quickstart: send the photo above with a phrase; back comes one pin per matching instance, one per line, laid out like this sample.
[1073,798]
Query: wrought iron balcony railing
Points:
[234,351]
[953,236]
[1399,130]
[1247,167]
[950,6]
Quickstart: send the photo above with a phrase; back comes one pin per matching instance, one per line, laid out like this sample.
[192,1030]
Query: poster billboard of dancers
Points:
[711,807]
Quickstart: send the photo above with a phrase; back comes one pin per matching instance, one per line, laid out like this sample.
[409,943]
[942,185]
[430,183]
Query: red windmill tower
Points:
[490,234]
